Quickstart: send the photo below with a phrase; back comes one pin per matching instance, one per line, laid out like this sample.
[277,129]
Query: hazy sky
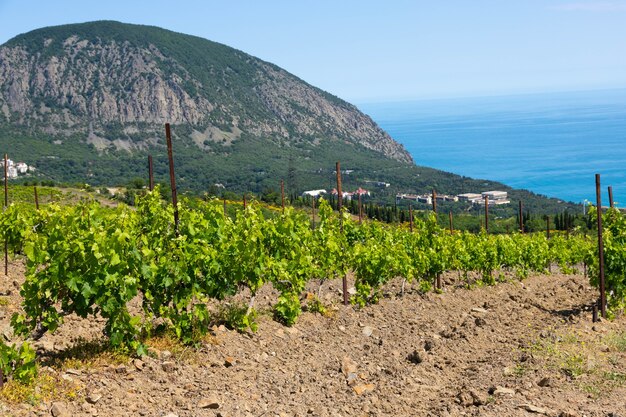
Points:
[363,50]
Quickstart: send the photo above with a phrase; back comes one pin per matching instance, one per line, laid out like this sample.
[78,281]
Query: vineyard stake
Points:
[434,202]
[547,227]
[224,207]
[600,249]
[6,183]
[150,173]
[450,218]
[360,210]
[244,202]
[313,209]
[611,197]
[339,204]
[487,214]
[282,194]
[36,197]
[6,204]
[1,379]
[521,218]
[170,156]
[411,217]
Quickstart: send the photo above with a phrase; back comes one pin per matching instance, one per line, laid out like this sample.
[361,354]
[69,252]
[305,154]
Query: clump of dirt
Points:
[514,349]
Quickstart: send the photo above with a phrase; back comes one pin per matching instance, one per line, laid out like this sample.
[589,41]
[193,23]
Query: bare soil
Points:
[520,348]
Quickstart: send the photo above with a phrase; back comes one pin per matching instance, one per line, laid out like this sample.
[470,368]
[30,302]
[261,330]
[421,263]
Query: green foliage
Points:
[614,240]
[238,317]
[18,363]
[92,260]
[287,309]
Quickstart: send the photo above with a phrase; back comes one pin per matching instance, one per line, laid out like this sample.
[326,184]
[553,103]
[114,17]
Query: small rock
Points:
[533,409]
[210,402]
[139,364]
[121,369]
[429,345]
[363,388]
[479,310]
[545,382]
[59,410]
[165,355]
[605,348]
[351,290]
[508,371]
[478,398]
[171,415]
[569,413]
[168,366]
[348,366]
[342,328]
[367,331]
[503,391]
[415,357]
[73,371]
[352,378]
[465,399]
[229,361]
[93,398]
[479,321]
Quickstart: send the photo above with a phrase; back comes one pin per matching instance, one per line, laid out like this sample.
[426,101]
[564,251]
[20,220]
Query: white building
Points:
[495,195]
[313,193]
[470,197]
[21,167]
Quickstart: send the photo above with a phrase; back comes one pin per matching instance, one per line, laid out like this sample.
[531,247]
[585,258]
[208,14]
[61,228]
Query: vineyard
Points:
[93,260]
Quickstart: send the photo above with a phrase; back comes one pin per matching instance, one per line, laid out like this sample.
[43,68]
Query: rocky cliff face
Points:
[112,83]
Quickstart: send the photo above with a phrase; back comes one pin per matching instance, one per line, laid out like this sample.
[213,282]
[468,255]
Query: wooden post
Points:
[411,217]
[521,218]
[611,204]
[224,207]
[6,181]
[600,249]
[548,227]
[313,209]
[360,210]
[244,201]
[487,214]
[6,204]
[170,156]
[434,201]
[450,218]
[150,173]
[36,197]
[339,204]
[282,194]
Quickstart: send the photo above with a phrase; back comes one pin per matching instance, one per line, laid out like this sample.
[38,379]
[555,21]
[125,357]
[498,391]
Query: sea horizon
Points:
[549,143]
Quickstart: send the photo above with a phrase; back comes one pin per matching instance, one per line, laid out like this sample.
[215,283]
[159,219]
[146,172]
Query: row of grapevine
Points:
[93,260]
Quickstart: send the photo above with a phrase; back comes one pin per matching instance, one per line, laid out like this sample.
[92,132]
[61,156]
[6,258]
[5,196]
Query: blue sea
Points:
[552,144]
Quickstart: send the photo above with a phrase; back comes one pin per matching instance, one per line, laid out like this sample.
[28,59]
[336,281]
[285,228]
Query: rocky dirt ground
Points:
[520,348]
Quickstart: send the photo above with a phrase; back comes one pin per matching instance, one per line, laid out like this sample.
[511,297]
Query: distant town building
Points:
[313,193]
[470,197]
[13,169]
[348,195]
[495,197]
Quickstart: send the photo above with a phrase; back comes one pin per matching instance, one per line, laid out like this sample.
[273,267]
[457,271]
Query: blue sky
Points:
[392,50]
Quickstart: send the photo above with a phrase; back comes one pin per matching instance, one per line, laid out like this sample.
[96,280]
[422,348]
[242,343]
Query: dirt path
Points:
[515,349]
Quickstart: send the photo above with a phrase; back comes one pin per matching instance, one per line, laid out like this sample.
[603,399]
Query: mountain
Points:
[87,103]
[116,83]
